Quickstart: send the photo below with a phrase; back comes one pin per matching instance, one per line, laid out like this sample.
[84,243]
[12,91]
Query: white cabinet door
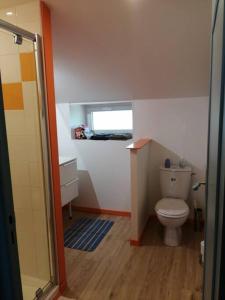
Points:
[68,172]
[69,191]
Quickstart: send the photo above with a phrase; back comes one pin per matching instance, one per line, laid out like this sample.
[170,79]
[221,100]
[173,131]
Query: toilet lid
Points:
[171,207]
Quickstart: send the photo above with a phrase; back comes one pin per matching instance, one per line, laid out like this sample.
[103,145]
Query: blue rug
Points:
[86,233]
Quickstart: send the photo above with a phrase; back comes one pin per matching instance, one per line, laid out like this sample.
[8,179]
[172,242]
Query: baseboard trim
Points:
[62,286]
[137,243]
[191,221]
[102,211]
[57,296]
[153,218]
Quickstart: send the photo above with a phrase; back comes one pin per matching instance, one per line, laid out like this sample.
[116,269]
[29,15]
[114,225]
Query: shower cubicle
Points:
[25,152]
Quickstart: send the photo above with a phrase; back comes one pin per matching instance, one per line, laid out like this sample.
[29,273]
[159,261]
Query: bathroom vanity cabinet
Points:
[68,181]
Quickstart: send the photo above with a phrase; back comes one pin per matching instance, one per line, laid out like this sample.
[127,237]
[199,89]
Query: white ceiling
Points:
[130,49]
[8,3]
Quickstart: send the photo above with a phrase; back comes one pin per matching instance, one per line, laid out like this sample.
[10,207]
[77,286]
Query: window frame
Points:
[90,109]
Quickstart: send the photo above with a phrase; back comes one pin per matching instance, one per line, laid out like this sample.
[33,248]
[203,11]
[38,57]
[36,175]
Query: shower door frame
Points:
[12,253]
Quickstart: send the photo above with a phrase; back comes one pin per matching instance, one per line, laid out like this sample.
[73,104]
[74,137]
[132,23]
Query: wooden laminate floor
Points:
[115,270]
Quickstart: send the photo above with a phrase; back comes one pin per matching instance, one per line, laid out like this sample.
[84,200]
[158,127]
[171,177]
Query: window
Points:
[110,117]
[112,120]
[103,120]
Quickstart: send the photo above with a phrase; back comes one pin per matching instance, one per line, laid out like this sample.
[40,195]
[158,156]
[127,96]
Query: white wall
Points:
[178,124]
[77,115]
[179,130]
[104,169]
[130,49]
[139,190]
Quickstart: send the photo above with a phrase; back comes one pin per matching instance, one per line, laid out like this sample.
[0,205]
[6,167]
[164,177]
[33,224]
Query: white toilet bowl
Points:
[172,214]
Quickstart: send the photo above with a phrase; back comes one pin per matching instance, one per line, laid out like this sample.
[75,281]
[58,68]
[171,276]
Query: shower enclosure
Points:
[24,151]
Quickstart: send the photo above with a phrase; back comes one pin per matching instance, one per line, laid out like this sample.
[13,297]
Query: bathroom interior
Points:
[141,166]
[115,178]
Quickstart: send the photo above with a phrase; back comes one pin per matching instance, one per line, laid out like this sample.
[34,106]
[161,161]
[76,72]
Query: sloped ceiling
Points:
[130,49]
[8,3]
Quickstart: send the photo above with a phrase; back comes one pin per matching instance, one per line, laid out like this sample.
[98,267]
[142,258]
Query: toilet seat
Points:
[172,208]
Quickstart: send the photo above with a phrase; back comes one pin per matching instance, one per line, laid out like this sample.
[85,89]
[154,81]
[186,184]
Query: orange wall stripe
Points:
[48,60]
[102,211]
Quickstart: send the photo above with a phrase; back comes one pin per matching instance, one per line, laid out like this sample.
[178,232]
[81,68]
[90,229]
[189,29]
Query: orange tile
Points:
[13,96]
[28,67]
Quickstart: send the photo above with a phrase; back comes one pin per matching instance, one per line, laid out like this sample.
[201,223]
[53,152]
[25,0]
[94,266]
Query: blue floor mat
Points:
[86,233]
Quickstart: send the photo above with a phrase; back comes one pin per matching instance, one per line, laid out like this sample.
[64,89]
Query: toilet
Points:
[172,210]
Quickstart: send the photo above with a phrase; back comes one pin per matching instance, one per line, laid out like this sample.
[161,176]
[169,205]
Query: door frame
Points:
[219,259]
[214,265]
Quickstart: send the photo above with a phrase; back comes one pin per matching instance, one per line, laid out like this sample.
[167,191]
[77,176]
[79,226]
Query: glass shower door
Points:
[26,155]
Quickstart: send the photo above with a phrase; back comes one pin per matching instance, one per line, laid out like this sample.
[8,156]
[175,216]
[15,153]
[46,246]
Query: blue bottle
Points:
[167,163]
